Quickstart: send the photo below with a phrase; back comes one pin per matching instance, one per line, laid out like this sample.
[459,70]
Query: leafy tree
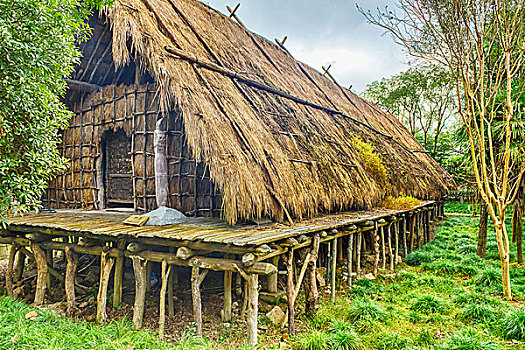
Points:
[422,98]
[37,51]
[482,42]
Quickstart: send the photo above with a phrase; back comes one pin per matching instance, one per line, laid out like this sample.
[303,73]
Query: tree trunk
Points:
[517,225]
[482,234]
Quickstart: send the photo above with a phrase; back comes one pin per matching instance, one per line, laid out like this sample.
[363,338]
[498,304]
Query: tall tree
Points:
[482,42]
[37,51]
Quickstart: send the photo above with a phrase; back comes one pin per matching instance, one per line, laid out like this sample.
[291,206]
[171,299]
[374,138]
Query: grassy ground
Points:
[457,207]
[445,298]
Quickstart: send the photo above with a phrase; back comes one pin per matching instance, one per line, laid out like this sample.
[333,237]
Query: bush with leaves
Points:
[513,325]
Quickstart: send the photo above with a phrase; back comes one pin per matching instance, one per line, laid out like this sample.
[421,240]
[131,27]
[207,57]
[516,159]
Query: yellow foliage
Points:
[400,203]
[372,161]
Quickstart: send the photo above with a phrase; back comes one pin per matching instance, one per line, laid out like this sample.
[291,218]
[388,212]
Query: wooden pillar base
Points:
[106,264]
[139,267]
[196,280]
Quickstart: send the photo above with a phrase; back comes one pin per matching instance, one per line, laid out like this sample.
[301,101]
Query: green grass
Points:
[462,208]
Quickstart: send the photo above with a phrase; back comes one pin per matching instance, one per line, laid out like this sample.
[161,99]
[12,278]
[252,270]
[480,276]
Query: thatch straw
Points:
[265,151]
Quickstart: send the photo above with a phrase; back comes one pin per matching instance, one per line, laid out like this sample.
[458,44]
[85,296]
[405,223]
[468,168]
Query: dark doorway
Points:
[118,170]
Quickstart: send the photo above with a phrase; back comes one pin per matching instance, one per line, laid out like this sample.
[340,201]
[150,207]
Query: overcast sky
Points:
[323,32]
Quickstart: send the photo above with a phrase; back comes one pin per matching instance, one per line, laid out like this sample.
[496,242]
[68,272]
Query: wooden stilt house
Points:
[176,104]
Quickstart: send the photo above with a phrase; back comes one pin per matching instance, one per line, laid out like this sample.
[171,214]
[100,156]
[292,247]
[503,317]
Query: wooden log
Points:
[139,268]
[312,294]
[248,259]
[390,253]
[383,250]
[118,276]
[185,253]
[10,266]
[166,269]
[412,232]
[273,279]
[20,264]
[69,284]
[15,240]
[171,282]
[340,251]
[289,290]
[227,306]
[405,231]
[333,269]
[253,307]
[358,260]
[196,280]
[49,258]
[149,273]
[244,305]
[106,265]
[350,254]
[375,237]
[42,271]
[396,239]
[78,85]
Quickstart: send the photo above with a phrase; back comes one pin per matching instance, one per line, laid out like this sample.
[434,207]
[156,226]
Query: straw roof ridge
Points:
[275,133]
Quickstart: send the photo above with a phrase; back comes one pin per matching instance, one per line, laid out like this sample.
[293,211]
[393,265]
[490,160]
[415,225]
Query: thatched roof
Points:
[274,132]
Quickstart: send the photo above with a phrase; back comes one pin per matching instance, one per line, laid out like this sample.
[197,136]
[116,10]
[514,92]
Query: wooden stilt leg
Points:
[118,276]
[396,238]
[69,283]
[312,294]
[10,265]
[139,268]
[19,269]
[273,279]
[227,307]
[42,271]
[106,264]
[149,272]
[406,228]
[358,260]
[333,270]
[376,249]
[340,251]
[253,307]
[289,291]
[197,278]
[390,254]
[350,259]
[171,306]
[383,249]
[49,259]
[162,302]
[244,305]
[412,232]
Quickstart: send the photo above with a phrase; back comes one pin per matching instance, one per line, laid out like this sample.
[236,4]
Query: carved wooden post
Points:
[106,264]
[161,163]
[162,300]
[350,254]
[69,283]
[196,280]
[42,271]
[139,268]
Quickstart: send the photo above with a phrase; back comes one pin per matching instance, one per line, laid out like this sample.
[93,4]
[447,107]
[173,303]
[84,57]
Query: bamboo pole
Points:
[106,264]
[41,280]
[389,235]
[375,237]
[227,307]
[139,267]
[333,269]
[358,260]
[350,254]
[196,280]
[289,290]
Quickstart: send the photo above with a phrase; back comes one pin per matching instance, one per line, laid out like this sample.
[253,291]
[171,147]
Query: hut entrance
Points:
[118,174]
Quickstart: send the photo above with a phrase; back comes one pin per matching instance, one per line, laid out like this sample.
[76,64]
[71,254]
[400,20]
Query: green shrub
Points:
[391,341]
[489,278]
[429,304]
[478,312]
[468,340]
[312,340]
[476,298]
[418,257]
[513,325]
[345,339]
[443,267]
[363,309]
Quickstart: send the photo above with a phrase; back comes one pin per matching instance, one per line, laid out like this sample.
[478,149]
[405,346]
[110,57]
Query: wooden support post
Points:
[412,232]
[383,250]
[253,307]
[339,251]
[312,294]
[390,253]
[171,282]
[20,264]
[227,307]
[396,237]
[289,290]
[375,237]
[41,280]
[139,268]
[106,265]
[273,279]
[49,259]
[358,260]
[350,254]
[197,278]
[118,276]
[69,283]
[161,163]
[166,269]
[405,231]
[333,269]
[149,272]
[9,273]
